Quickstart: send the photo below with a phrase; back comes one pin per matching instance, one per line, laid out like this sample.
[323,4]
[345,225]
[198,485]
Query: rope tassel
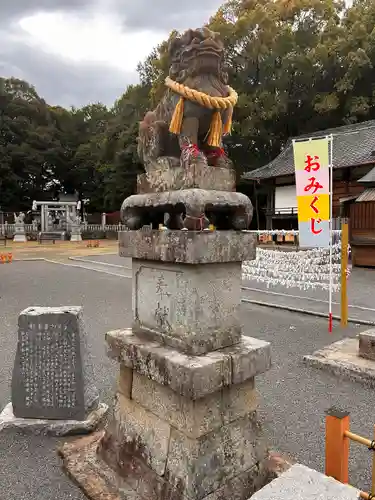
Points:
[216,130]
[216,104]
[178,115]
[228,124]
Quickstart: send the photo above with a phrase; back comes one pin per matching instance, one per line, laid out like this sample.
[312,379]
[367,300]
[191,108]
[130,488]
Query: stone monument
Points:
[52,389]
[184,424]
[19,228]
[49,222]
[74,222]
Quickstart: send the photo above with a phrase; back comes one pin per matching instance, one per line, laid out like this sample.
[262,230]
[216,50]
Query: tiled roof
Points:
[352,145]
[369,178]
[368,195]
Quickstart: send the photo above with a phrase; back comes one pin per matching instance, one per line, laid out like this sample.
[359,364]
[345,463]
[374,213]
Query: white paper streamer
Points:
[303,269]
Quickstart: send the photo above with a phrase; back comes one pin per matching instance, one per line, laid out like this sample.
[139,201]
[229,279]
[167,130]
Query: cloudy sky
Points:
[81,51]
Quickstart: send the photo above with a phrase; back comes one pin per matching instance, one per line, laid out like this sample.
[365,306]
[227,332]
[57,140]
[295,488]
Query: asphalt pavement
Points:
[293,399]
[360,291]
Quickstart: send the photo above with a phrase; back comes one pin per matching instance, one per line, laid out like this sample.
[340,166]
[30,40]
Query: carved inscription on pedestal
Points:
[156,298]
[48,377]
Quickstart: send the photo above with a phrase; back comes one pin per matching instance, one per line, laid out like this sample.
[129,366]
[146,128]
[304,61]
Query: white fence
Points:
[263,236]
[29,228]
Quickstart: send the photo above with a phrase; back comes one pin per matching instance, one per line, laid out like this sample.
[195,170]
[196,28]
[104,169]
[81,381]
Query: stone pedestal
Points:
[349,358]
[19,233]
[75,232]
[168,175]
[184,423]
[187,286]
[366,347]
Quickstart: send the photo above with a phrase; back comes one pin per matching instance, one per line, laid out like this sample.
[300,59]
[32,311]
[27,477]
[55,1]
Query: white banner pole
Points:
[330,232]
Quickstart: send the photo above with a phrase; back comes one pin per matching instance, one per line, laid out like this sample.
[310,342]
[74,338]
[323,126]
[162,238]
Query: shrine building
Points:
[353,158]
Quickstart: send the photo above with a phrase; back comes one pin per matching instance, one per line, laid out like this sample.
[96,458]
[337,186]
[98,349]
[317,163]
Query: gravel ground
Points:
[293,397]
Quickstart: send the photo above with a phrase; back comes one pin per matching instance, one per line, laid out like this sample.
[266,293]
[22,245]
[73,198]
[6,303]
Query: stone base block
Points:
[194,418]
[20,238]
[167,177]
[193,463]
[302,483]
[75,237]
[367,344]
[52,427]
[194,377]
[341,358]
[188,247]
[99,481]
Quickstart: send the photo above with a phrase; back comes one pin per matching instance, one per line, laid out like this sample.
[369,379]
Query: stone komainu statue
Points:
[189,182]
[196,110]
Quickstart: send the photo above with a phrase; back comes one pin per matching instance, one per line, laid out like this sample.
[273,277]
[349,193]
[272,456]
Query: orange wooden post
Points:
[337,445]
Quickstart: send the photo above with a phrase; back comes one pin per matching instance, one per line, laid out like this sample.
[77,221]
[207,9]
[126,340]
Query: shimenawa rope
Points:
[217,129]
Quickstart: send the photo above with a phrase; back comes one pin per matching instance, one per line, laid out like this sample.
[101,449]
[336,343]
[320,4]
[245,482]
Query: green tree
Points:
[81,133]
[26,139]
[298,66]
[120,164]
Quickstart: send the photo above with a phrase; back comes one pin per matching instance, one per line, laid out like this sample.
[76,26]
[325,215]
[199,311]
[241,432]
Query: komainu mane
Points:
[196,110]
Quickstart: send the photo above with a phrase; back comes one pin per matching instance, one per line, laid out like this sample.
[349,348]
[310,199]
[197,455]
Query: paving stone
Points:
[302,483]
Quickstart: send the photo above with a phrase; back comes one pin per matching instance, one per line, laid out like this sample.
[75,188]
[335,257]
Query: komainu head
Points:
[197,52]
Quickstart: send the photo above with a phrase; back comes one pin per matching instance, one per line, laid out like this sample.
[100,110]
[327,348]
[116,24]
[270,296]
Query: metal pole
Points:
[358,439]
[330,232]
[344,275]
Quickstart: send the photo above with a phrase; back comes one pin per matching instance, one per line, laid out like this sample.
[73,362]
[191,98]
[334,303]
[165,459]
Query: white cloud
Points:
[79,51]
[98,38]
